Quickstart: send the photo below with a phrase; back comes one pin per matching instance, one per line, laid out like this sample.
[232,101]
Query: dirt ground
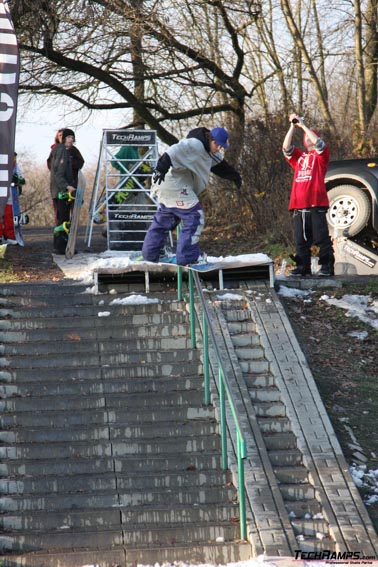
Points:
[344,367]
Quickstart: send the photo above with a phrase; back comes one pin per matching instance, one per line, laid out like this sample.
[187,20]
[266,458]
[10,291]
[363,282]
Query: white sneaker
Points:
[202,259]
[11,241]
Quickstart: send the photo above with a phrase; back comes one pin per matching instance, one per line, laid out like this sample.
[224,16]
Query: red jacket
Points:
[308,189]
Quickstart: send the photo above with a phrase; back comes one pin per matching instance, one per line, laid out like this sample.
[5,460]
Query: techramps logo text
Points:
[335,557]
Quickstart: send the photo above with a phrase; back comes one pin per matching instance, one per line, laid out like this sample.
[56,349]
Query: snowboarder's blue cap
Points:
[220,136]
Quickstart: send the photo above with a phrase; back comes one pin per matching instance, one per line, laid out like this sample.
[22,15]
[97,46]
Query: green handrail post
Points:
[179,271]
[206,367]
[191,310]
[241,455]
[179,283]
[222,403]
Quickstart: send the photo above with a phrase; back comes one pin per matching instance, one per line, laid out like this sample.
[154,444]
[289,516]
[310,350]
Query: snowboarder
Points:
[181,174]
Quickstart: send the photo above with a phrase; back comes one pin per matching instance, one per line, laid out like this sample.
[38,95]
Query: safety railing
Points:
[224,389]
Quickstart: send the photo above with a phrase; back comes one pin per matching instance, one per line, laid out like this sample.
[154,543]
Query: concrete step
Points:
[56,311]
[245,340]
[193,496]
[139,536]
[109,480]
[291,475]
[274,424]
[119,464]
[61,418]
[219,553]
[287,458]
[250,353]
[304,491]
[316,544]
[237,315]
[43,289]
[280,441]
[95,519]
[302,508]
[259,380]
[75,346]
[310,527]
[187,429]
[269,409]
[91,332]
[110,401]
[59,361]
[238,327]
[68,386]
[10,320]
[255,366]
[262,394]
[76,449]
[173,369]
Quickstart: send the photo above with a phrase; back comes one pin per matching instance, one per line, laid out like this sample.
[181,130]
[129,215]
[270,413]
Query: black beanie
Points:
[67,132]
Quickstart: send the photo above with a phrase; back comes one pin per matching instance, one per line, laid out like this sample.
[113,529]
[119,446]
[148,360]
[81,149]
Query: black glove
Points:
[162,166]
[238,182]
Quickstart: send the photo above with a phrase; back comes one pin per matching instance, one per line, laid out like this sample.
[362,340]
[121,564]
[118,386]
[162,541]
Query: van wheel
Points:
[349,209]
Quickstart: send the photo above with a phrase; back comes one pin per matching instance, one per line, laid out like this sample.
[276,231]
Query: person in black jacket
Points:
[66,161]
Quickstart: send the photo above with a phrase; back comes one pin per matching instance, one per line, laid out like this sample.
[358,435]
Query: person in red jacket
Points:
[309,200]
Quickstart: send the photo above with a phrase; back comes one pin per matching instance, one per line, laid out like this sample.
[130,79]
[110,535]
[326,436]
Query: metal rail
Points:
[224,389]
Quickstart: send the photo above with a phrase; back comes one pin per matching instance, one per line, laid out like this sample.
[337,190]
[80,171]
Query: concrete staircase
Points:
[108,455]
[298,493]
[294,450]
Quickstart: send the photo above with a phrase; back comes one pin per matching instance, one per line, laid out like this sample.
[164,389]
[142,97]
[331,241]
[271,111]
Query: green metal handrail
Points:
[223,385]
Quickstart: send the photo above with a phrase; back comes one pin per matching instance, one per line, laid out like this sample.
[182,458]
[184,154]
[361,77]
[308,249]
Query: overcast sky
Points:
[36,128]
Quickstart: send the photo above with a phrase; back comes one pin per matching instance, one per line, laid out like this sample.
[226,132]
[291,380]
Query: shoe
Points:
[202,259]
[11,241]
[301,272]
[168,259]
[326,271]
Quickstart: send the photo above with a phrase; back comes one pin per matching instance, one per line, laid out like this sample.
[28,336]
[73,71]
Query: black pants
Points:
[310,228]
[64,208]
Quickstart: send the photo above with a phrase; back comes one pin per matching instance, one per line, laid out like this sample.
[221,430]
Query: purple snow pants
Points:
[167,219]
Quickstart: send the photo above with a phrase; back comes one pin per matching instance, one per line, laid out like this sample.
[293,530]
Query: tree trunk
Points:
[371,59]
[300,43]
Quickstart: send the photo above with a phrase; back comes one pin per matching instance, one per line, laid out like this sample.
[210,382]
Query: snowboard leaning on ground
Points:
[72,236]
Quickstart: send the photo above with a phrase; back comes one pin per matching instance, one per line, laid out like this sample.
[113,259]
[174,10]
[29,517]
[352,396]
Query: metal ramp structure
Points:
[121,198]
[223,275]
[354,259]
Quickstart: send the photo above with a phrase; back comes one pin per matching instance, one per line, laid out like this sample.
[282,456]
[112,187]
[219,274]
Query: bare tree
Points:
[138,55]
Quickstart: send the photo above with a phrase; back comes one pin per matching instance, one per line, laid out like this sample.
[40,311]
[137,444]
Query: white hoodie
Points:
[188,176]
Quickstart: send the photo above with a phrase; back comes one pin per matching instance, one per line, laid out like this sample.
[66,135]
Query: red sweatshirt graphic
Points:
[308,189]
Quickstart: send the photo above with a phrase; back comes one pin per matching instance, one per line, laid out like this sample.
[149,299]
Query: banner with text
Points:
[9,76]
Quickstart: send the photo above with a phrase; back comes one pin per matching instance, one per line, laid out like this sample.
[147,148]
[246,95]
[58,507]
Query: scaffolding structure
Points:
[121,198]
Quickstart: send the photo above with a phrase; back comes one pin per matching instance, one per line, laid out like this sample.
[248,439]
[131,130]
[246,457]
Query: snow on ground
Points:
[361,306]
[133,299]
[364,308]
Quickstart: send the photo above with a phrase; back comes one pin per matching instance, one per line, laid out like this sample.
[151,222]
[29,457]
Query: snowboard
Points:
[79,196]
[231,267]
[205,267]
[17,215]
